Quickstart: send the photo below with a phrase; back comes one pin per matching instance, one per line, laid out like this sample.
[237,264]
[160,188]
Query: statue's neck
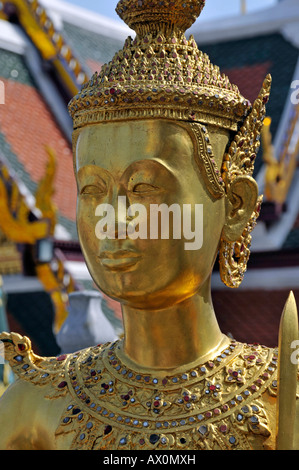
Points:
[175,336]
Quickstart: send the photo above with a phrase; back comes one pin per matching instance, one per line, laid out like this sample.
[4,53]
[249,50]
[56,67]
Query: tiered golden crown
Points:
[160,73]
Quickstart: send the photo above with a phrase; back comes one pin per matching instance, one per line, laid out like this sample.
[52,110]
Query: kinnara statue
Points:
[160,125]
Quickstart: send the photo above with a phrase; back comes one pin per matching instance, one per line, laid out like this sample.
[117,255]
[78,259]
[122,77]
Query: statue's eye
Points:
[142,188]
[92,190]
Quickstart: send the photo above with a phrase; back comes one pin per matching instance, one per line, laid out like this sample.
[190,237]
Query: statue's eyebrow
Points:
[92,172]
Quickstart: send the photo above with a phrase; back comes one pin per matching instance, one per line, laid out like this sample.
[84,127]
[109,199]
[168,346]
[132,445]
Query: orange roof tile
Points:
[29,126]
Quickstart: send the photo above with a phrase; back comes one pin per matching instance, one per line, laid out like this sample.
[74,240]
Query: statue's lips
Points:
[119,259]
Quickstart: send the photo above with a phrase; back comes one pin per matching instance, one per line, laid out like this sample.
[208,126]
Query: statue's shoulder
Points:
[51,373]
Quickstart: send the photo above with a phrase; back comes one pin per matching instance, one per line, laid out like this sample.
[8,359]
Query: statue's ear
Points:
[241,201]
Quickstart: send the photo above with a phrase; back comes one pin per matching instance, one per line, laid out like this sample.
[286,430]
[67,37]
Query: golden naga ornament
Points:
[161,125]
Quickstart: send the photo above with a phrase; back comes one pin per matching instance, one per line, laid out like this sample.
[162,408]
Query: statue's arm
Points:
[23,408]
[25,419]
[15,428]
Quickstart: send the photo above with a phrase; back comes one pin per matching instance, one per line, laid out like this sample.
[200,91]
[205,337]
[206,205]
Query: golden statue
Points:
[160,126]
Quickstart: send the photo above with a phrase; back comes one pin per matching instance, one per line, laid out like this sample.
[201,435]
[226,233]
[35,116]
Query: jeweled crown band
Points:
[84,118]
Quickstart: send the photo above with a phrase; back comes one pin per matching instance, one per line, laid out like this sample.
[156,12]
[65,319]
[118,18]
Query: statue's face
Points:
[147,163]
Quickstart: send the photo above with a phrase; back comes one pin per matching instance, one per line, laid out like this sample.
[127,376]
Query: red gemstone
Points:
[61,358]
[212,387]
[156,403]
[107,430]
[223,428]
[62,384]
[186,398]
[21,347]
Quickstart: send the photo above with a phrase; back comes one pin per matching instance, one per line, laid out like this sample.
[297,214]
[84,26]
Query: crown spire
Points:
[163,16]
[160,73]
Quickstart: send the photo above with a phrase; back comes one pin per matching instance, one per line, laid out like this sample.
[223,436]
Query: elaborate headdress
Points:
[161,74]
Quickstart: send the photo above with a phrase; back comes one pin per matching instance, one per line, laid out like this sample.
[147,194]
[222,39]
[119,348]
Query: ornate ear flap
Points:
[205,157]
[239,161]
[242,152]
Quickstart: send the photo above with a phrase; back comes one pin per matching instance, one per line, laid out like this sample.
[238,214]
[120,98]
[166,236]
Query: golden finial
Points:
[287,376]
[163,16]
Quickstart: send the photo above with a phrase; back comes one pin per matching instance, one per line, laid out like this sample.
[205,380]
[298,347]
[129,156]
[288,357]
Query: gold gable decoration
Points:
[10,257]
[49,42]
[17,228]
[280,171]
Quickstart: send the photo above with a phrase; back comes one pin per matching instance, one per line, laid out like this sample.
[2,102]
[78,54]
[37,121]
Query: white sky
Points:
[213,8]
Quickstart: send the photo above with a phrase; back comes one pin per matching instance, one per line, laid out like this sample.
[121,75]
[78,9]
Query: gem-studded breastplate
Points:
[216,405]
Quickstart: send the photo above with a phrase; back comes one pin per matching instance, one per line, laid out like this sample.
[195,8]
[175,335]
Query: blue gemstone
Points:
[154,438]
[203,430]
[19,358]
